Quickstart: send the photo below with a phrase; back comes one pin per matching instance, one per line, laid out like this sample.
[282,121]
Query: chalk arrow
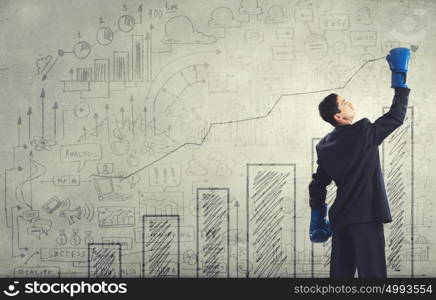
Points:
[42,121]
[106,107]
[29,113]
[96,124]
[55,108]
[19,130]
[140,13]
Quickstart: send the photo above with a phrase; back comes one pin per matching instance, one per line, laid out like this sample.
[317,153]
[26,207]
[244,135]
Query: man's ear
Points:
[337,117]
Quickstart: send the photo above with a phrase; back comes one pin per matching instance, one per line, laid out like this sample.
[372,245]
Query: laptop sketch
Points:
[105,190]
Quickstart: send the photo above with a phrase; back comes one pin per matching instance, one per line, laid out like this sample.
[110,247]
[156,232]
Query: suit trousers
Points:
[358,246]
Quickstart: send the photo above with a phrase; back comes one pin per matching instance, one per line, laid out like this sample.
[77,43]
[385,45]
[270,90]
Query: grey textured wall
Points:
[176,138]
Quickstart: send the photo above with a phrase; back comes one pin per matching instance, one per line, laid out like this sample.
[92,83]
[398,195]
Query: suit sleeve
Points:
[391,120]
[317,188]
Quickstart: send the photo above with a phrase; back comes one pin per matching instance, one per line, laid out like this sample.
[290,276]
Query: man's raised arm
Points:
[398,60]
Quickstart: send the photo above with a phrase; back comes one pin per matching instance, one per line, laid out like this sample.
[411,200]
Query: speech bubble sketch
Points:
[80,153]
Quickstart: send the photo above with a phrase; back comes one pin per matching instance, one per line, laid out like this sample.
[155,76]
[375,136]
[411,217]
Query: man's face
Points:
[347,111]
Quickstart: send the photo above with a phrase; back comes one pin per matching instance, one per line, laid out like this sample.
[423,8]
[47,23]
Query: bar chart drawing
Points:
[138,58]
[123,70]
[399,176]
[101,69]
[161,246]
[213,221]
[121,66]
[267,188]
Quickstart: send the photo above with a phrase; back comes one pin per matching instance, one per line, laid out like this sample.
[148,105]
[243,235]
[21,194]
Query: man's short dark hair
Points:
[328,107]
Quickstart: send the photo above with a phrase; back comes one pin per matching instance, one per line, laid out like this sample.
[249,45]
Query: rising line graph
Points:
[212,125]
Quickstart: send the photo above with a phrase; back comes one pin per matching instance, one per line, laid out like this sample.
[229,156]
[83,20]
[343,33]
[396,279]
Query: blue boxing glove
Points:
[398,60]
[319,230]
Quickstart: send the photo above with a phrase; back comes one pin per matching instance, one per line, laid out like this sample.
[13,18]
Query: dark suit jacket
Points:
[349,156]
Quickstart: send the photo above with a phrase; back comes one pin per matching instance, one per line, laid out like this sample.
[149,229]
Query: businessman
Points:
[349,156]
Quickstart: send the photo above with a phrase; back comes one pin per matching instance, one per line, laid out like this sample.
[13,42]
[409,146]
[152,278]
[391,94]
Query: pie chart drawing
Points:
[82,49]
[126,23]
[105,35]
